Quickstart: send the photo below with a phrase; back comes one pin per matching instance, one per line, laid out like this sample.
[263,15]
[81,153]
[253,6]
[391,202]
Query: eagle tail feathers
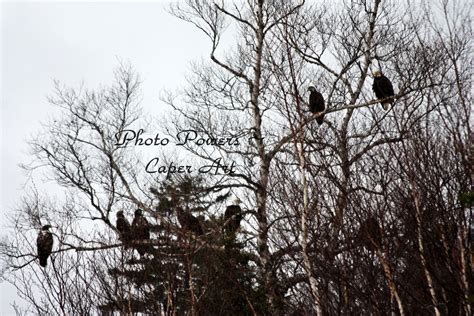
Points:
[320,118]
[43,261]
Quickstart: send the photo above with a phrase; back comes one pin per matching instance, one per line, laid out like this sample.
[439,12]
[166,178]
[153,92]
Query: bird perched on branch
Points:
[383,89]
[188,222]
[232,217]
[44,243]
[316,104]
[123,227]
[370,234]
[140,231]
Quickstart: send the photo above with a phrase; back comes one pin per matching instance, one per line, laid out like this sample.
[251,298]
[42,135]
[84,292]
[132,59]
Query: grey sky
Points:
[74,43]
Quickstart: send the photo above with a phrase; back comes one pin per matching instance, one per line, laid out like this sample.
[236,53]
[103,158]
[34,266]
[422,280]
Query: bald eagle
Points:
[383,89]
[140,231]
[44,243]
[188,222]
[232,217]
[316,104]
[370,234]
[123,227]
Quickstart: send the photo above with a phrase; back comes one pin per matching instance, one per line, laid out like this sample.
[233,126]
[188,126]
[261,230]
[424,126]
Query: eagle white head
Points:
[377,74]
[236,201]
[45,228]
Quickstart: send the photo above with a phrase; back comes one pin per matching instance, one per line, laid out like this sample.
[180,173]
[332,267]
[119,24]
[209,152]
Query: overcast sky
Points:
[74,43]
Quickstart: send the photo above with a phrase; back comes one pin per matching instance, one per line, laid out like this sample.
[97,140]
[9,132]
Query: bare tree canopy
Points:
[347,207]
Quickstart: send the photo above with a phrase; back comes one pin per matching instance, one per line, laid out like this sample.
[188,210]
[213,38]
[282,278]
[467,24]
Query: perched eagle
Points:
[383,89]
[232,217]
[140,231]
[44,242]
[370,234]
[188,222]
[123,227]
[316,104]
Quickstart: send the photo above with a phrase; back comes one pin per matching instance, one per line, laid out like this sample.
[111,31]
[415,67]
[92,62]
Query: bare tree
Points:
[362,214]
